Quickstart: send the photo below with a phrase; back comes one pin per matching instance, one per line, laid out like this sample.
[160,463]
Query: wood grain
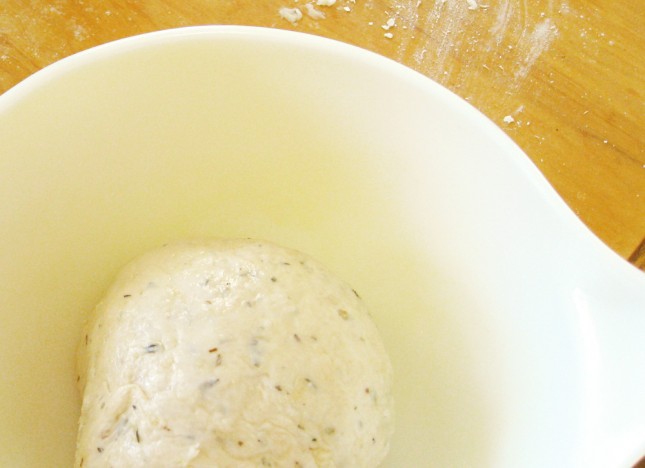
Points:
[566,74]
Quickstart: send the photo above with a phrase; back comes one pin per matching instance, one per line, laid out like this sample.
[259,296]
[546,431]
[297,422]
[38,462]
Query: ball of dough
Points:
[232,353]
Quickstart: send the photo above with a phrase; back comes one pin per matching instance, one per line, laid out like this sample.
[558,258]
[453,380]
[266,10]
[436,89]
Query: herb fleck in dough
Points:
[232,353]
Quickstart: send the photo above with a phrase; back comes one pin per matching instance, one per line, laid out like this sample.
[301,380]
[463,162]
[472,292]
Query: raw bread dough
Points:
[232,353]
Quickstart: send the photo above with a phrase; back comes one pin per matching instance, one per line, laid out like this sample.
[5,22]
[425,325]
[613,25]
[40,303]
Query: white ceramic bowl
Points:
[517,336]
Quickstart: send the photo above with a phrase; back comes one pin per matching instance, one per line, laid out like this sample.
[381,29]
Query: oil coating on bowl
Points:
[515,334]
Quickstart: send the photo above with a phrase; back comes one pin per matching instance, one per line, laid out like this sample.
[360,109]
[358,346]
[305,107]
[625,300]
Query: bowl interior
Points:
[406,192]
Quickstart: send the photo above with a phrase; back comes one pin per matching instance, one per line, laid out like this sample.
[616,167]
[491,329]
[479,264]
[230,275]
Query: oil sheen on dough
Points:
[232,353]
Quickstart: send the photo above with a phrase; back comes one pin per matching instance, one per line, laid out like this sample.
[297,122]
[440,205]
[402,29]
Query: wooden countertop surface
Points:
[564,78]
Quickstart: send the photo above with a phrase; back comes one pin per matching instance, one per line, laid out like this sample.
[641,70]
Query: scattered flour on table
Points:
[80,32]
[292,15]
[512,36]
[533,45]
[313,13]
[390,23]
[505,10]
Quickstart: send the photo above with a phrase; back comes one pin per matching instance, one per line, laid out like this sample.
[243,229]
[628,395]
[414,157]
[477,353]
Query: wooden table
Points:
[564,78]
